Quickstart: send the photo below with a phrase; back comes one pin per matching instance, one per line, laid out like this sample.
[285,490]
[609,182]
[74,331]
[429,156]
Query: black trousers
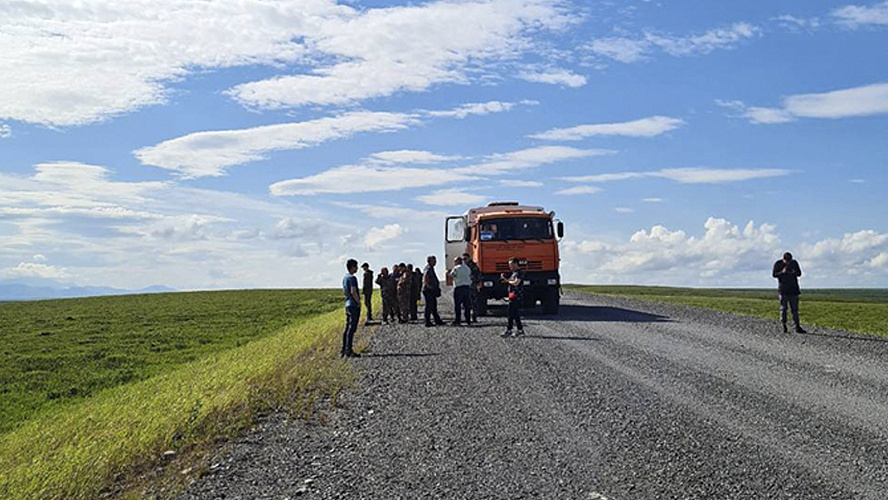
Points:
[431,307]
[352,315]
[462,300]
[368,303]
[414,307]
[514,315]
[792,301]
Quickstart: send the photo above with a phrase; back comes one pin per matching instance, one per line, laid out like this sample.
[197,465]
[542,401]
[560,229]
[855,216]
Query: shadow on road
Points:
[575,312]
[399,355]
[552,337]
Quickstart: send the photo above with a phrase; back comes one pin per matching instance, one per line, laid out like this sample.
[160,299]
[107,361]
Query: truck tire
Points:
[551,302]
[482,307]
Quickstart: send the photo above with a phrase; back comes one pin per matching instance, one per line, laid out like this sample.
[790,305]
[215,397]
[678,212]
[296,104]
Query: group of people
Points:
[404,284]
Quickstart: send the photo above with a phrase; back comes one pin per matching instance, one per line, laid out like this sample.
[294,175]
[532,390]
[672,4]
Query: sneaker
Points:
[429,325]
[352,354]
[520,333]
[455,323]
[799,329]
[785,330]
[506,334]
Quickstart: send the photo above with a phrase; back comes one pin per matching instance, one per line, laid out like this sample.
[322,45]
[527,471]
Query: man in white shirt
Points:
[462,291]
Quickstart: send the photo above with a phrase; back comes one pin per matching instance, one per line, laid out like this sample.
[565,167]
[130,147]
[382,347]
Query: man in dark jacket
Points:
[787,272]
[475,295]
[417,292]
[431,290]
[367,290]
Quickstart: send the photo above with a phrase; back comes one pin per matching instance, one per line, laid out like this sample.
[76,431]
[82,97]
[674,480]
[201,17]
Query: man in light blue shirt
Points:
[462,291]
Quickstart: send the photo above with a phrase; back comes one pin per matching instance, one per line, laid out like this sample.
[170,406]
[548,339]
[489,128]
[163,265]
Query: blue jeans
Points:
[352,315]
[793,302]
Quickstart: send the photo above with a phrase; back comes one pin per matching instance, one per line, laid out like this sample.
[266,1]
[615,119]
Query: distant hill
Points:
[48,289]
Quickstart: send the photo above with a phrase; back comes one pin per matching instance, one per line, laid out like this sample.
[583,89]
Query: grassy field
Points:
[853,310]
[93,388]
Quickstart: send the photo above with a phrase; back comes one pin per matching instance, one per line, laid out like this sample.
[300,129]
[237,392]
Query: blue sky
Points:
[248,144]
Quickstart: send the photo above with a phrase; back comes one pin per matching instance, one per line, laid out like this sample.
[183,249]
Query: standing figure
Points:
[462,291]
[431,290]
[396,276]
[389,294]
[367,290]
[405,283]
[475,292]
[787,272]
[515,282]
[417,293]
[352,309]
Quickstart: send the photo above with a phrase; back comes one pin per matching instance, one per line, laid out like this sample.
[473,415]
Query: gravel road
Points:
[614,399]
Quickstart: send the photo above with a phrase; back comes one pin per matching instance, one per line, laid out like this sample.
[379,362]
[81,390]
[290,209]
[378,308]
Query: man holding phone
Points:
[787,272]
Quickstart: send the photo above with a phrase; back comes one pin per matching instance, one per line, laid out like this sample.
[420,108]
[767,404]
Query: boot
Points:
[785,330]
[799,329]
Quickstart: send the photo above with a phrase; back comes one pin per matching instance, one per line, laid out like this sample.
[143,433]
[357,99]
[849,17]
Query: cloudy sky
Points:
[226,144]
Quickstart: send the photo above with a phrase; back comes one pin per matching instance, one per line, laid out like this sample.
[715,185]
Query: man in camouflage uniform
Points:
[405,284]
[387,287]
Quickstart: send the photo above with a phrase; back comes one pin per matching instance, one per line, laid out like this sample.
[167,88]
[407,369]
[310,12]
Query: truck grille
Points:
[532,265]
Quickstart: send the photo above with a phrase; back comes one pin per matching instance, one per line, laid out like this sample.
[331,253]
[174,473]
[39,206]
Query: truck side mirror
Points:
[560,229]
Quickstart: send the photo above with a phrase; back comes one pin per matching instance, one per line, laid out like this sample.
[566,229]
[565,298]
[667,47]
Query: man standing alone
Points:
[352,309]
[367,290]
[515,282]
[787,272]
[462,282]
[431,290]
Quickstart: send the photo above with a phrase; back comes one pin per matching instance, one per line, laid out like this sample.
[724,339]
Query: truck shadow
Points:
[584,313]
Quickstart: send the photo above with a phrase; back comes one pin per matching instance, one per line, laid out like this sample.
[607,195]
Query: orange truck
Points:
[494,234]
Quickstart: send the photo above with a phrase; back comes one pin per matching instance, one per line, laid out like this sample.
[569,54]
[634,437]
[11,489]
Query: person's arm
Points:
[775,273]
[798,269]
[354,291]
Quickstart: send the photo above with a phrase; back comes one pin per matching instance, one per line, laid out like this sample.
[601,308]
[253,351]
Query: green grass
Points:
[198,368]
[853,310]
[56,352]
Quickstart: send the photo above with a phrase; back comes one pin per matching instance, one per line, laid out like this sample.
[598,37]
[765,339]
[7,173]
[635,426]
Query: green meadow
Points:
[95,388]
[852,310]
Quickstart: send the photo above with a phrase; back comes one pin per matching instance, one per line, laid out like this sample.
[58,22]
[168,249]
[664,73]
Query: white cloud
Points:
[480,108]
[624,210]
[411,156]
[855,16]
[451,197]
[34,270]
[5,131]
[377,235]
[857,101]
[579,190]
[383,51]
[629,50]
[554,76]
[520,183]
[688,175]
[211,153]
[530,158]
[365,179]
[653,200]
[797,23]
[72,63]
[726,255]
[644,127]
[394,212]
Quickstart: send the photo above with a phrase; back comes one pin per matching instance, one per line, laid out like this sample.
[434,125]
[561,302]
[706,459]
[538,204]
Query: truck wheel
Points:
[551,302]
[482,307]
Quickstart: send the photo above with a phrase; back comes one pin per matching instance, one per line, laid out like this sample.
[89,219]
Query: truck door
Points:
[455,242]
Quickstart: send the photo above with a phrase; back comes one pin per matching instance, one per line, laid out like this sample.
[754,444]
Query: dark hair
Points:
[365,264]
[351,264]
[787,256]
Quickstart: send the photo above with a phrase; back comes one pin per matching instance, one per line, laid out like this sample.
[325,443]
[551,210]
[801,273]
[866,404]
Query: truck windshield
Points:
[524,228]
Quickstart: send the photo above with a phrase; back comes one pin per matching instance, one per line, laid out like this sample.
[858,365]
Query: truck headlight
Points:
[552,281]
[488,284]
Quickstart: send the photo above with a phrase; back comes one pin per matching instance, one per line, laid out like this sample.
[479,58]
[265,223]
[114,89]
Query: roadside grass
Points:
[59,352]
[86,449]
[852,310]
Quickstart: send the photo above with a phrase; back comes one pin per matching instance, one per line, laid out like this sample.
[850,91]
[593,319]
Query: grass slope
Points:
[232,354]
[56,352]
[853,310]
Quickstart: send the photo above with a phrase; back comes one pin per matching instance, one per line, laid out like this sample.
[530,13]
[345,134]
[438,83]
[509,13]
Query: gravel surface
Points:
[613,399]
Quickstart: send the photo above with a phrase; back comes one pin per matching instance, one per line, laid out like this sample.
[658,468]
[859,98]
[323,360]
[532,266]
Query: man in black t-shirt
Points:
[515,281]
[787,272]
